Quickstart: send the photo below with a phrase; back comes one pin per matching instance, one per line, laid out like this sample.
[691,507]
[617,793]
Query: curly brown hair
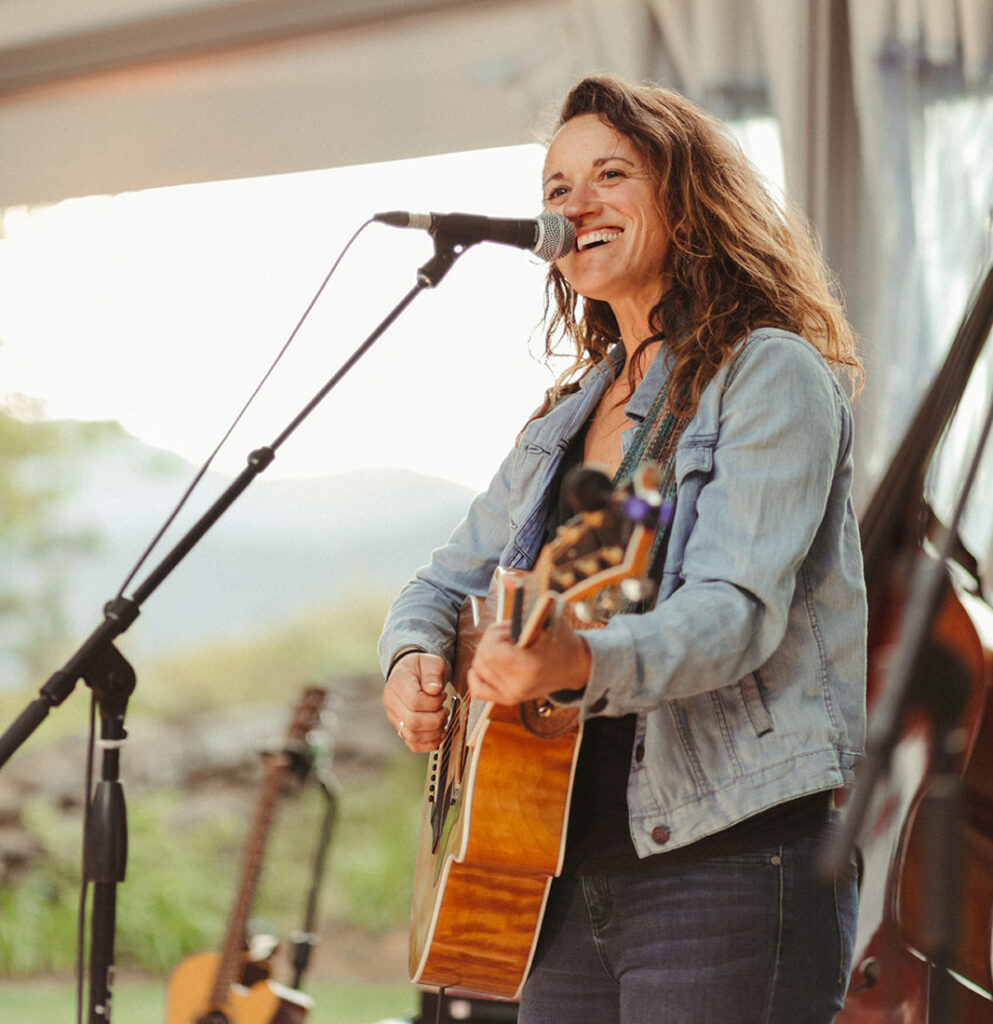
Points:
[739,259]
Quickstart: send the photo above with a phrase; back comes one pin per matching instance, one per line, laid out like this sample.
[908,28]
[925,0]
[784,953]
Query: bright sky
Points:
[163,309]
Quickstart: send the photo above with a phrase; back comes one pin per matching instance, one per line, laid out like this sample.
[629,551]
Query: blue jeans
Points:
[747,939]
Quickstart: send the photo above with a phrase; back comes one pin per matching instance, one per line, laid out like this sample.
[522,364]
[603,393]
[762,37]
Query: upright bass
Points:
[923,947]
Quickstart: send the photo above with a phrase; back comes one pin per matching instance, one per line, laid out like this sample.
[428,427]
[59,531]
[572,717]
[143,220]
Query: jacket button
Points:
[660,835]
[598,705]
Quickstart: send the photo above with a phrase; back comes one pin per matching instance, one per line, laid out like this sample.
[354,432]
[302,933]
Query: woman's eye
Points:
[611,172]
[556,193]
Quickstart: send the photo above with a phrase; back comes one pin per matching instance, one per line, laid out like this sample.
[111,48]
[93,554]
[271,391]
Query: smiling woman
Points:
[708,727]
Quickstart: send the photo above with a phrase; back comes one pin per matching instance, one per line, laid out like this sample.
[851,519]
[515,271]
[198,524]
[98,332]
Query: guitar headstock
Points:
[599,560]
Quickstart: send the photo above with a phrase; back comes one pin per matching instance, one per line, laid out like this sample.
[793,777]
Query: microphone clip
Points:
[446,251]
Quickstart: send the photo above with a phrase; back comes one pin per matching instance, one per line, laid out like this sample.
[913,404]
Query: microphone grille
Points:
[556,236]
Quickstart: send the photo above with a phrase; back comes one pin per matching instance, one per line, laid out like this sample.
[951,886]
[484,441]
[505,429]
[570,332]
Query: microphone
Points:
[550,235]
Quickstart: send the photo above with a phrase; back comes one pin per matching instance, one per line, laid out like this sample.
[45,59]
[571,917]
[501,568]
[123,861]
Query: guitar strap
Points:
[656,441]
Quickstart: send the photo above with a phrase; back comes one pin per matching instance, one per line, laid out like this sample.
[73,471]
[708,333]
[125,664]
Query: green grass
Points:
[142,1002]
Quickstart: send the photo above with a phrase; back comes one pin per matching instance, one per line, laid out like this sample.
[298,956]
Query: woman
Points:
[717,723]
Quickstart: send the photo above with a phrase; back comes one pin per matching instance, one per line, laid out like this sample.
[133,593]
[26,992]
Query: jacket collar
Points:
[641,402]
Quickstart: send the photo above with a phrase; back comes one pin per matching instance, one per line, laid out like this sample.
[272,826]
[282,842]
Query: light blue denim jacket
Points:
[748,676]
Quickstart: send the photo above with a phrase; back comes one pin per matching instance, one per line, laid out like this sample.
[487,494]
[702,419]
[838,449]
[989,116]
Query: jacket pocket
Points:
[719,732]
[694,454]
[694,464]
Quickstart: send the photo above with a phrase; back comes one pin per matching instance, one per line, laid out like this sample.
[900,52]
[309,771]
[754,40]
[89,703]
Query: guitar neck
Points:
[526,603]
[251,866]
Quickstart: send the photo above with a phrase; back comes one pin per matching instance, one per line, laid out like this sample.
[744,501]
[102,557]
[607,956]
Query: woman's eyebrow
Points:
[599,162]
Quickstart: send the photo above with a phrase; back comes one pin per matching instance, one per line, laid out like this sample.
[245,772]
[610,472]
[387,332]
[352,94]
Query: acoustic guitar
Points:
[492,831]
[227,987]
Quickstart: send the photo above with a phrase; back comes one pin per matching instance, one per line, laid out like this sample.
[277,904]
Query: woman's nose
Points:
[581,200]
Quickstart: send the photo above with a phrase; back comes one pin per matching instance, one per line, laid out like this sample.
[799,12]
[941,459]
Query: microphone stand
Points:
[305,939]
[105,670]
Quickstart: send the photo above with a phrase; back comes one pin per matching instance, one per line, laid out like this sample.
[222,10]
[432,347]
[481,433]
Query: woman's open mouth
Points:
[595,238]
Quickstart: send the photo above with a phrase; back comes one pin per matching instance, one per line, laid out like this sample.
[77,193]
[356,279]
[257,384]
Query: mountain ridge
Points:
[284,547]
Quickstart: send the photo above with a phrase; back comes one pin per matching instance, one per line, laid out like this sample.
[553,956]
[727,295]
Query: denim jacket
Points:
[748,675]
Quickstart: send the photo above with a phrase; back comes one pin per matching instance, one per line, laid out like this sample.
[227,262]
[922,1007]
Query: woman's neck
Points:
[639,354]
[634,321]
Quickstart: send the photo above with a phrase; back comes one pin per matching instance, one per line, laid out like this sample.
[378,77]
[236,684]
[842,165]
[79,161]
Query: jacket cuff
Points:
[613,670]
[567,696]
[402,653]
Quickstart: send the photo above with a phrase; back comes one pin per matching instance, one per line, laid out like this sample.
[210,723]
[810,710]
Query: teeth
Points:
[597,237]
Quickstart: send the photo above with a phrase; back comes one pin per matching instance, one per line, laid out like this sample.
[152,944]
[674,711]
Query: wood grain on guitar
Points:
[497,795]
[227,987]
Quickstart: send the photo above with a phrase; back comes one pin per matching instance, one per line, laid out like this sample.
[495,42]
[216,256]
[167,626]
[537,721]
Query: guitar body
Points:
[493,828]
[188,992]
[189,988]
[479,896]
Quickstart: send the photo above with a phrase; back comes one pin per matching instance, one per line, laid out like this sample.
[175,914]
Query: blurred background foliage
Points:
[182,867]
[181,880]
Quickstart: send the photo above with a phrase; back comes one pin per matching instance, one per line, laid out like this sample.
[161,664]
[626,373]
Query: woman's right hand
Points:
[414,699]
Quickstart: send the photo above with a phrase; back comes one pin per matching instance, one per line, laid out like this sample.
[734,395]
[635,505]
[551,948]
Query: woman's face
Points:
[596,178]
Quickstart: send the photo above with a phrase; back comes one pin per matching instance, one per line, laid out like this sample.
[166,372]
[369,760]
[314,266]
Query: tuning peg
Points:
[637,509]
[571,532]
[563,579]
[584,612]
[648,511]
[588,566]
[647,482]
[610,601]
[649,474]
[587,489]
[636,588]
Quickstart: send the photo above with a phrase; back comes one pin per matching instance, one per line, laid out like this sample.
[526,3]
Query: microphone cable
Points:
[202,471]
[81,910]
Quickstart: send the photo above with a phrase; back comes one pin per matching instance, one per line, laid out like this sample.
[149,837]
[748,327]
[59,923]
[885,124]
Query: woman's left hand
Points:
[503,672]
